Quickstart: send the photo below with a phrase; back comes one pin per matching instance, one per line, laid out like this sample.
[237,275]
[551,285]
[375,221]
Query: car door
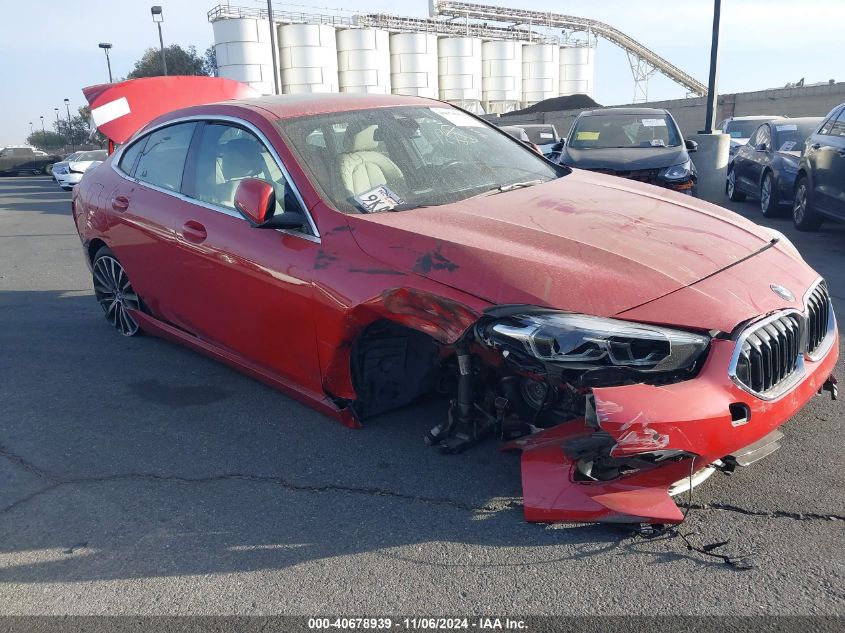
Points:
[147,213]
[759,156]
[741,164]
[829,172]
[247,290]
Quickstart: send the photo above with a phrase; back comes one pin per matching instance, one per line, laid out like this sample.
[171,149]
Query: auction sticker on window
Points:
[456,117]
[378,199]
[654,122]
[789,127]
[787,146]
[587,136]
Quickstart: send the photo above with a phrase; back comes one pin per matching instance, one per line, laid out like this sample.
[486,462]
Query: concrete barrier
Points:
[711,161]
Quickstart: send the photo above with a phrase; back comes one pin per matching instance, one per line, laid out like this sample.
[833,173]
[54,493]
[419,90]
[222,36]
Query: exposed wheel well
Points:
[392,365]
[93,246]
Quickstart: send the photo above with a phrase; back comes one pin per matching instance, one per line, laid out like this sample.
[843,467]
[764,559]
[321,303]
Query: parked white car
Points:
[69,172]
[741,128]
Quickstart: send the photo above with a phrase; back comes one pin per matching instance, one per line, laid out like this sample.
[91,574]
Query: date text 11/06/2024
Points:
[419,623]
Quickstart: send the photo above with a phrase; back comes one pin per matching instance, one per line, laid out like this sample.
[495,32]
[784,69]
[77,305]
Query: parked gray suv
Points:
[820,183]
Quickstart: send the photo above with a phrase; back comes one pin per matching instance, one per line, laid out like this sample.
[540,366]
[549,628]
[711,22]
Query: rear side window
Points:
[828,125]
[162,160]
[838,128]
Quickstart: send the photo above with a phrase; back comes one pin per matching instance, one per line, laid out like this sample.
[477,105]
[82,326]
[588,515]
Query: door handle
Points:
[120,203]
[194,232]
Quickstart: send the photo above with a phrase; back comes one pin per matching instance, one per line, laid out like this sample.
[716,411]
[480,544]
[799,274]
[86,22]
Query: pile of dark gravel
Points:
[569,102]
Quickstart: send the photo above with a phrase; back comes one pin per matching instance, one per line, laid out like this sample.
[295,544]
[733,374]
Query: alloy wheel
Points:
[766,193]
[799,207]
[731,183]
[115,294]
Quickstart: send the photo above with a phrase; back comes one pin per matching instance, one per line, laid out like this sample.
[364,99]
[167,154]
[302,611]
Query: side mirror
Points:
[692,146]
[255,200]
[762,147]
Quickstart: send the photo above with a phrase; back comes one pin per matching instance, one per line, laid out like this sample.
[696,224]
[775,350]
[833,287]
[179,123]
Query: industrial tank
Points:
[577,70]
[413,64]
[459,64]
[243,51]
[540,72]
[308,58]
[363,61]
[501,76]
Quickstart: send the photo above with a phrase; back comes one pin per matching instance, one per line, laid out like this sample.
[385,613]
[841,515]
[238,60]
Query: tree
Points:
[179,62]
[46,141]
[97,137]
[209,62]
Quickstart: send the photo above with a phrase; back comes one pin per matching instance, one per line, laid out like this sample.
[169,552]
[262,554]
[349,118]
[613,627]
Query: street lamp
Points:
[42,123]
[158,18]
[106,46]
[57,118]
[69,127]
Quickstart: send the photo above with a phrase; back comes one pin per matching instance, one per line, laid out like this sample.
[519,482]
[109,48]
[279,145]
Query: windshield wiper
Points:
[511,187]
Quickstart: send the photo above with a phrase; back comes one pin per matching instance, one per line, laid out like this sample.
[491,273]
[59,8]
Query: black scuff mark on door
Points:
[376,271]
[323,260]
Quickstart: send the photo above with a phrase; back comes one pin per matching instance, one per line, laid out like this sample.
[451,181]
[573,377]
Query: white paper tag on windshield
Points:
[456,117]
[546,135]
[791,127]
[787,146]
[654,122]
[657,142]
[378,199]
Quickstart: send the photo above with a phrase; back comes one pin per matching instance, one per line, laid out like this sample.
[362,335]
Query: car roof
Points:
[810,120]
[295,105]
[757,117]
[605,111]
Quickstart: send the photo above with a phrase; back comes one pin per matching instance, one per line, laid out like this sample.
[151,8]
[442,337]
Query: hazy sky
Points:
[48,50]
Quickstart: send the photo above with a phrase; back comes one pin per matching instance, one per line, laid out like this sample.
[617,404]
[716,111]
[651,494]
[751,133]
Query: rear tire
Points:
[804,216]
[730,188]
[769,196]
[114,292]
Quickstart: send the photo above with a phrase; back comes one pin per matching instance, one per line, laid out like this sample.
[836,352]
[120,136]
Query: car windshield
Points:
[743,129]
[399,158]
[90,156]
[790,137]
[624,131]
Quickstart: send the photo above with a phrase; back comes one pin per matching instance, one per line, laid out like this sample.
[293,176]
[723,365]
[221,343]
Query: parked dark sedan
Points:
[766,166]
[820,185]
[642,144]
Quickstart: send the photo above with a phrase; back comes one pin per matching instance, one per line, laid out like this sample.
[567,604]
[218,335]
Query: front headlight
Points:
[578,341]
[677,172]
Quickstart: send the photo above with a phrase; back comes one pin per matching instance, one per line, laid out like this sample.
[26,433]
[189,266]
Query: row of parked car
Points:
[776,160]
[69,170]
[642,144]
[66,171]
[797,162]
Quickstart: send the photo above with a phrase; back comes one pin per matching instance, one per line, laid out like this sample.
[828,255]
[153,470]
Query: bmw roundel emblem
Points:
[783,293]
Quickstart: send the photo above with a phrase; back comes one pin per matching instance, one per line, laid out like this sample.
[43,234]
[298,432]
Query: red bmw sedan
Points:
[360,252]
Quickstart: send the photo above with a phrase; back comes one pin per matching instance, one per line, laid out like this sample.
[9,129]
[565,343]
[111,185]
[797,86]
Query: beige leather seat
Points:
[362,167]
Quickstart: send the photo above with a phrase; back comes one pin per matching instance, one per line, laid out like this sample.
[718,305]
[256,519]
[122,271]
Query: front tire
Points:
[769,196]
[114,292]
[804,216]
[730,188]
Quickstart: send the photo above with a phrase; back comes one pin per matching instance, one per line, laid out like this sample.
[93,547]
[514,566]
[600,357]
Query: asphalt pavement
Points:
[137,477]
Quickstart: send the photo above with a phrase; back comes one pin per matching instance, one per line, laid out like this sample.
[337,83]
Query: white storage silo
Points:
[540,72]
[363,61]
[577,70]
[413,64]
[308,58]
[243,50]
[459,76]
[501,76]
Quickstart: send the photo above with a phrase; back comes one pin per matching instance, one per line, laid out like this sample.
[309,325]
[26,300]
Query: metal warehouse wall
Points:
[689,113]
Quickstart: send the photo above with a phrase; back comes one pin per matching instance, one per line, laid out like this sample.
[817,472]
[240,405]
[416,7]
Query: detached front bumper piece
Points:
[703,422]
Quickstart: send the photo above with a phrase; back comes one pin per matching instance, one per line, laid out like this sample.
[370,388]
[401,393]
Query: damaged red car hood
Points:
[585,242]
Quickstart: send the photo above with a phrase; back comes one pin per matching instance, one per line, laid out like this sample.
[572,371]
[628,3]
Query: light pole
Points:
[106,46]
[69,127]
[31,130]
[42,123]
[158,18]
[713,79]
[57,119]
